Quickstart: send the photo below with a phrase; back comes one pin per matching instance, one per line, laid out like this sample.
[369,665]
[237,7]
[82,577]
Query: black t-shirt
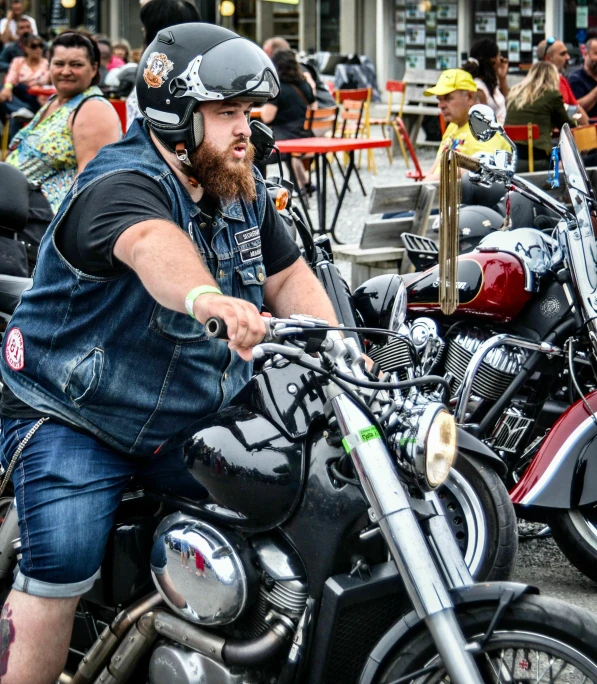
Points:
[292,102]
[582,83]
[89,231]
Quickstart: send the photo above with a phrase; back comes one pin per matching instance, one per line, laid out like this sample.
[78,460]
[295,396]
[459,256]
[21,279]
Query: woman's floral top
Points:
[45,152]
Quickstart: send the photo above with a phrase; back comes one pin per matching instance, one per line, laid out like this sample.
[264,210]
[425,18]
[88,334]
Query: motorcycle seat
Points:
[14,198]
[11,289]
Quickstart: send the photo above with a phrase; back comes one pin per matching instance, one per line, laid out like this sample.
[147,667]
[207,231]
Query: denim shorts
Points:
[68,486]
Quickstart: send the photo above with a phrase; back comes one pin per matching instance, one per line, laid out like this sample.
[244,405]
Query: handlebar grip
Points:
[468,163]
[215,327]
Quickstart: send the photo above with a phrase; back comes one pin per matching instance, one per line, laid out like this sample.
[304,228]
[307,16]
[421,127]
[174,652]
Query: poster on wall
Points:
[413,11]
[446,60]
[415,34]
[502,8]
[526,40]
[415,59]
[447,35]
[400,20]
[400,49]
[485,22]
[501,37]
[514,21]
[430,47]
[539,22]
[582,17]
[526,8]
[447,11]
[514,3]
[514,51]
[431,20]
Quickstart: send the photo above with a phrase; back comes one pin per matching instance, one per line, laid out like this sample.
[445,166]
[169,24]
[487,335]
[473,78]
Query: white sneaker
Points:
[22,113]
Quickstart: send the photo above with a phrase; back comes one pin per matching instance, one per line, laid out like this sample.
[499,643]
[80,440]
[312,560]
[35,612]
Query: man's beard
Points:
[222,176]
[592,67]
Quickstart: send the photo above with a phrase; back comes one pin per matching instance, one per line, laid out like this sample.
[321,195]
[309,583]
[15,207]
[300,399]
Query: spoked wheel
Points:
[539,640]
[482,519]
[575,533]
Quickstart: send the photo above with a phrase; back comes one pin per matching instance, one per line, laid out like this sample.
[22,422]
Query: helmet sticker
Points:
[158,68]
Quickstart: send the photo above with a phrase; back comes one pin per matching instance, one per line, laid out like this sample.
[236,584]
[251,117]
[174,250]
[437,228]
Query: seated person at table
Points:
[24,72]
[584,81]
[556,52]
[12,50]
[286,113]
[456,92]
[537,99]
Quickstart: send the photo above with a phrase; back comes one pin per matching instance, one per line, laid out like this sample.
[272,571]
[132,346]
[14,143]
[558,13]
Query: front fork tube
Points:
[406,542]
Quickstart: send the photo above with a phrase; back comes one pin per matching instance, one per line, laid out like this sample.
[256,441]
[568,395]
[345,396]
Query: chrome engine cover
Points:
[495,374]
[198,571]
[176,665]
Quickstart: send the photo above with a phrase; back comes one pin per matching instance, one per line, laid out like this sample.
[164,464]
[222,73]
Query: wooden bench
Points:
[380,249]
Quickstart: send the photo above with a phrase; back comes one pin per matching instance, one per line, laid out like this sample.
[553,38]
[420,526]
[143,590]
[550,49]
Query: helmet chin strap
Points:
[196,136]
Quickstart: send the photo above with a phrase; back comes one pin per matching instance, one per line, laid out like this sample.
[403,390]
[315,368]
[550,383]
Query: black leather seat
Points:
[11,289]
[14,198]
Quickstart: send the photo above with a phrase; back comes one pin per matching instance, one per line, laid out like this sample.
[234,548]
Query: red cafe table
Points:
[320,148]
[36,91]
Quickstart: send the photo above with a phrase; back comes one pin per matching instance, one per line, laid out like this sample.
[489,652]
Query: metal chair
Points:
[398,125]
[353,117]
[398,88]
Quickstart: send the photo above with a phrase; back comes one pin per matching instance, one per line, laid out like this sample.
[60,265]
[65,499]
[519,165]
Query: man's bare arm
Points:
[169,266]
[297,290]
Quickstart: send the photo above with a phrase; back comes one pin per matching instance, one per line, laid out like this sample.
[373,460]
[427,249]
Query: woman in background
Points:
[489,69]
[30,70]
[286,113]
[537,99]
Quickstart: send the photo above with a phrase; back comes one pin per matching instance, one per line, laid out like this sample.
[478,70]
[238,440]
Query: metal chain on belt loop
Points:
[19,451]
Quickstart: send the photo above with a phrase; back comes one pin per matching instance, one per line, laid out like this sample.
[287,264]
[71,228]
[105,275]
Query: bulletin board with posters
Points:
[426,33]
[518,26]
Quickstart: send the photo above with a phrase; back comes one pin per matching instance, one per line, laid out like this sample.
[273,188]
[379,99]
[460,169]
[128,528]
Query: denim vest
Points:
[100,353]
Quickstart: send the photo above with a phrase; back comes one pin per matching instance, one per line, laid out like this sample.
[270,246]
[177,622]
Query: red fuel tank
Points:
[490,284]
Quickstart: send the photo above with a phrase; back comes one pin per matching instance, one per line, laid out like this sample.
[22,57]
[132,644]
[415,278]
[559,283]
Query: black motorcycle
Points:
[321,526]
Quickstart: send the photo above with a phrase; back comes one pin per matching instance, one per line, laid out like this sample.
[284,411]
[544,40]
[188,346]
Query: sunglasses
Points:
[36,45]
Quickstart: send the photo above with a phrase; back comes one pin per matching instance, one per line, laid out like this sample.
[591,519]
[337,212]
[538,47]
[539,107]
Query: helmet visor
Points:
[233,69]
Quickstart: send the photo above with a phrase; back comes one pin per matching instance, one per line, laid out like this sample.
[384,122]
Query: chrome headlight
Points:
[427,448]
[398,315]
[440,448]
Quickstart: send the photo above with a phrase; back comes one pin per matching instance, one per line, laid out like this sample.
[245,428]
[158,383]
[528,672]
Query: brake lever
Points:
[261,351]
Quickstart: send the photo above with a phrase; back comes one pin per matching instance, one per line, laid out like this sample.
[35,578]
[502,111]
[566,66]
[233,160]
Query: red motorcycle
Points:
[519,352]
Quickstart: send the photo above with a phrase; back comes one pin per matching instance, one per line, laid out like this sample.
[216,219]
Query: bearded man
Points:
[106,356]
[584,81]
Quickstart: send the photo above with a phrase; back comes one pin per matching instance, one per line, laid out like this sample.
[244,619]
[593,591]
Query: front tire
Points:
[537,639]
[481,516]
[575,532]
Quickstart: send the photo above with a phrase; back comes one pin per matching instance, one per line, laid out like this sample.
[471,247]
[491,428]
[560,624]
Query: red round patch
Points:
[14,350]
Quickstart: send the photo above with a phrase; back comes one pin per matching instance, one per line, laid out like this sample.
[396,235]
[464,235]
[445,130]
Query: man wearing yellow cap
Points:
[456,94]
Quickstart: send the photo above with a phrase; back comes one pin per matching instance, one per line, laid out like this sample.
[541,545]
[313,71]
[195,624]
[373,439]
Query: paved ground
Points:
[540,562]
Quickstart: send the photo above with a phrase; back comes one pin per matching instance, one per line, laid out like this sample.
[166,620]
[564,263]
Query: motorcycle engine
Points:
[214,579]
[496,372]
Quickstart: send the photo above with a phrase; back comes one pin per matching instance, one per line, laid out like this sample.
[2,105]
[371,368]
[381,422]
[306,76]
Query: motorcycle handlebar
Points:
[468,163]
[215,328]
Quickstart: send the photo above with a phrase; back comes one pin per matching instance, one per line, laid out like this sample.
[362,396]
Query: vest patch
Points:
[14,351]
[250,254]
[246,236]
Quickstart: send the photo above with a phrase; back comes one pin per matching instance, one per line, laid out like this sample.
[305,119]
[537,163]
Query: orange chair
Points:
[585,137]
[399,88]
[353,117]
[528,132]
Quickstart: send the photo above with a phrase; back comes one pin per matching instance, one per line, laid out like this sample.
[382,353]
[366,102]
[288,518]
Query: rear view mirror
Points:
[482,122]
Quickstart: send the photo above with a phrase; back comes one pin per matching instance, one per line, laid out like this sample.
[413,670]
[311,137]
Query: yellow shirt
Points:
[462,140]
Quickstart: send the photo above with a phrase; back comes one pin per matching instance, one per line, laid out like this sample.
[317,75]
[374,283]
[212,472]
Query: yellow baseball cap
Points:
[451,80]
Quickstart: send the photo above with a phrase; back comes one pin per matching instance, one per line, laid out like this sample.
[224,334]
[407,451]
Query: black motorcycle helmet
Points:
[474,223]
[191,63]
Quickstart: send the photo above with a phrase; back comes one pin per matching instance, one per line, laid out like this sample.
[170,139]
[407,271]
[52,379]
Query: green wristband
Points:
[197,292]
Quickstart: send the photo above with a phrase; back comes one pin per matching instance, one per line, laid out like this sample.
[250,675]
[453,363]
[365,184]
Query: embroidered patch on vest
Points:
[250,254]
[14,351]
[246,236]
[158,68]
